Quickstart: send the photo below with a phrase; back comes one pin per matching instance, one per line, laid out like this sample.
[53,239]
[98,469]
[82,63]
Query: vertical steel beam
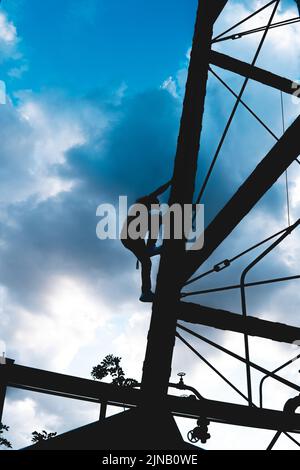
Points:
[3,383]
[103,411]
[2,399]
[161,337]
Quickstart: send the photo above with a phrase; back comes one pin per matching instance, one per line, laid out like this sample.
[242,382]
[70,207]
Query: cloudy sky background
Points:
[94,95]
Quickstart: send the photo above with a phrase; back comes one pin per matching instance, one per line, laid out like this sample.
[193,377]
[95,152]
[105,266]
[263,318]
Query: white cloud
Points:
[35,412]
[280,52]
[130,343]
[52,139]
[69,321]
[10,47]
[42,144]
[9,40]
[24,417]
[171,86]
[8,31]
[18,72]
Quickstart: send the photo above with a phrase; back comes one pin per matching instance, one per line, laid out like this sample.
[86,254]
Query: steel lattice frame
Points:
[178,266]
[284,153]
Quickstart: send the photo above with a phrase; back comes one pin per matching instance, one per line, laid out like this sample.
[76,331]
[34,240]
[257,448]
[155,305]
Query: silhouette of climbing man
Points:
[144,249]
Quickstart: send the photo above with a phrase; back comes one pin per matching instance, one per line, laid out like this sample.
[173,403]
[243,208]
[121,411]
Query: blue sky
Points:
[80,45]
[94,96]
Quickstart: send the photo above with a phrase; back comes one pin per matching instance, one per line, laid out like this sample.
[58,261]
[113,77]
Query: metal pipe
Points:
[274,372]
[244,301]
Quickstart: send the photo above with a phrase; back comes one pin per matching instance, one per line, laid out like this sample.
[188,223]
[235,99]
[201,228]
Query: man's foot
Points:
[147,297]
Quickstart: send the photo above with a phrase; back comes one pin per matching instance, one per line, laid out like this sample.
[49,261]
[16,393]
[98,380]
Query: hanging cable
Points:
[286,173]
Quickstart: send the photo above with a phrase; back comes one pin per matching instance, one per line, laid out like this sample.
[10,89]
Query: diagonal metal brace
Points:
[255,73]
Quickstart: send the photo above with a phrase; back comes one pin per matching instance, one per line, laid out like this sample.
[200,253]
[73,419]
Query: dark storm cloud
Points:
[58,235]
[131,156]
[136,153]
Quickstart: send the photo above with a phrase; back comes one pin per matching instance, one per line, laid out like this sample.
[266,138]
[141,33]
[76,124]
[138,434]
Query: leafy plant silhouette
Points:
[43,436]
[111,366]
[4,442]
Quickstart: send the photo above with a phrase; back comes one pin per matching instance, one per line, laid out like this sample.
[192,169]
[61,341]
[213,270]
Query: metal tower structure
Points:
[178,266]
[172,279]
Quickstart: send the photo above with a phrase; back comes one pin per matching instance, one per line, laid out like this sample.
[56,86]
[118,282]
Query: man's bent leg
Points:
[146,274]
[139,248]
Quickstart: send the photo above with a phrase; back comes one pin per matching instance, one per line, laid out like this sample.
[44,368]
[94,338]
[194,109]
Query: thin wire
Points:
[244,20]
[259,244]
[240,358]
[244,86]
[230,261]
[258,30]
[227,263]
[244,104]
[238,286]
[286,173]
[245,273]
[292,439]
[277,436]
[211,366]
[274,440]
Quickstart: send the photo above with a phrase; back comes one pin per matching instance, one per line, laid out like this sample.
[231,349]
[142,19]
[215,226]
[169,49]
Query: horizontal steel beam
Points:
[265,175]
[224,320]
[77,388]
[255,73]
[42,381]
[236,415]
